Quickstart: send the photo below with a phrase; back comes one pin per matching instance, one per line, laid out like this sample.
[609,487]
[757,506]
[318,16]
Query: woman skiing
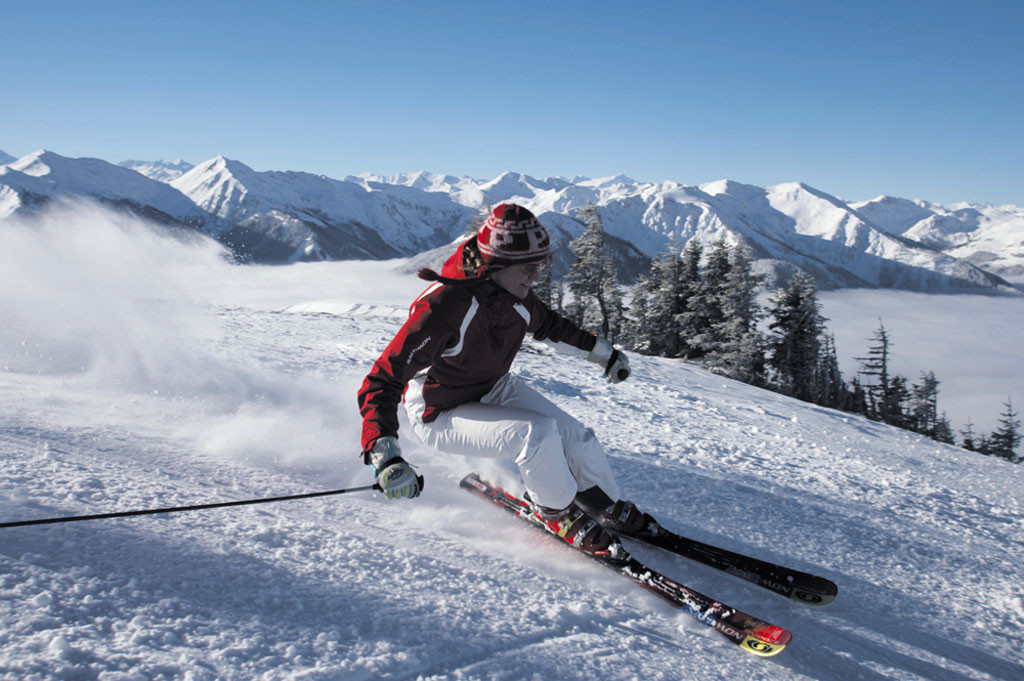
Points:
[451,360]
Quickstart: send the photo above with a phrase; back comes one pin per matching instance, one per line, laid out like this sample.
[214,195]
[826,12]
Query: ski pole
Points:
[196,507]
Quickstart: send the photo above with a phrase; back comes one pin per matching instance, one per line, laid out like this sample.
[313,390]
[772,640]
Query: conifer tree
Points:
[691,317]
[705,315]
[642,333]
[615,309]
[858,398]
[882,396]
[597,301]
[795,341]
[895,401]
[944,430]
[656,303]
[1004,440]
[968,439]
[832,389]
[738,350]
[545,288]
[923,412]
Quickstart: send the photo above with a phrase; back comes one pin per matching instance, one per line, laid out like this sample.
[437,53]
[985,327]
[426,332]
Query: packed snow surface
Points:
[138,372]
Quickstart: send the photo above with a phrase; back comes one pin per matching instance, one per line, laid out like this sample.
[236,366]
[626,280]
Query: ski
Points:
[801,587]
[746,631]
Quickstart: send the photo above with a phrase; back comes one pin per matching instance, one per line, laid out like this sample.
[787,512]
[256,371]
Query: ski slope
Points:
[137,372]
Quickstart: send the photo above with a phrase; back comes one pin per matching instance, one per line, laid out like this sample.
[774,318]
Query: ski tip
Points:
[766,641]
[811,598]
[820,593]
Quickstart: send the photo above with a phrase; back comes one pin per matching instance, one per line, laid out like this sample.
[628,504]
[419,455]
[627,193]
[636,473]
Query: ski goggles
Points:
[534,268]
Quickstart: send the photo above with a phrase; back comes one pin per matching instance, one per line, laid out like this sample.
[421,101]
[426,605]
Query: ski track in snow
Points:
[924,540]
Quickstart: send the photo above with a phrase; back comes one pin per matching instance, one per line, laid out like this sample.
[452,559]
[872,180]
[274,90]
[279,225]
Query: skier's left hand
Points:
[617,370]
[614,361]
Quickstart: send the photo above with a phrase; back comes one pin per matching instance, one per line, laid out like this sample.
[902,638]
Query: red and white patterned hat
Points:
[512,235]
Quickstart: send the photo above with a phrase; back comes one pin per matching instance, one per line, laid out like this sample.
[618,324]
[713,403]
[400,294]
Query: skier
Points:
[451,360]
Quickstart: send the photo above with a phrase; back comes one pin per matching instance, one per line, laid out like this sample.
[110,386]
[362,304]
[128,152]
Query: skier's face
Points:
[517,279]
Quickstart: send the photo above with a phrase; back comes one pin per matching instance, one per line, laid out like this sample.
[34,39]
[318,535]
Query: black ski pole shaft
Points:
[177,509]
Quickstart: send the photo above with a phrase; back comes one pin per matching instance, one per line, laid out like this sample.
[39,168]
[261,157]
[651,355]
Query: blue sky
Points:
[913,99]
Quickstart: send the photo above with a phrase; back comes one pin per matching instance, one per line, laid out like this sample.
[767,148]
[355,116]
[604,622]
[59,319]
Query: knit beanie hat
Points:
[512,236]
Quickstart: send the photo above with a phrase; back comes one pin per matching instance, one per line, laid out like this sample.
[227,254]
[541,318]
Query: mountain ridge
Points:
[288,216]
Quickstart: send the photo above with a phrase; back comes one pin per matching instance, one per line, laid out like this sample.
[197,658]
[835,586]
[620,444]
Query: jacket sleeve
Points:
[424,336]
[557,331]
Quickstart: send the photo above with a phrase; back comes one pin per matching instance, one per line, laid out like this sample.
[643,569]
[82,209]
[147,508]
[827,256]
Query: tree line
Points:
[701,303]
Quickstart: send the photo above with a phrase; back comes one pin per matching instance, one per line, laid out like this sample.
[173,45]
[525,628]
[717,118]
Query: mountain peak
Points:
[730,187]
[162,171]
[218,184]
[611,181]
[37,164]
[219,165]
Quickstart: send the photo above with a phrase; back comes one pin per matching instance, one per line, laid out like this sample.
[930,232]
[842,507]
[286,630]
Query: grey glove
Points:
[395,476]
[614,362]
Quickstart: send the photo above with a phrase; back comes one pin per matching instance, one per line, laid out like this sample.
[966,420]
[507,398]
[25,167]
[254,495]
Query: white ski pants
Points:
[556,455]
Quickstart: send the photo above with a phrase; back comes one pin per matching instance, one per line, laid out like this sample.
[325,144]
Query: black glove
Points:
[614,362]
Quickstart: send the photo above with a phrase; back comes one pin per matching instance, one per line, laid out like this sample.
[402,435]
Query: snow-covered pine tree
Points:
[558,296]
[884,394]
[832,389]
[704,314]
[923,410]
[794,345]
[690,319]
[968,438]
[944,430]
[858,398]
[615,306]
[545,289]
[895,406]
[640,336]
[657,300]
[739,346]
[597,300]
[1005,439]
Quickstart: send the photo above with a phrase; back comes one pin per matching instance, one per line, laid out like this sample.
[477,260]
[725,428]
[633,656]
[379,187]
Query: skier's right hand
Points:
[396,477]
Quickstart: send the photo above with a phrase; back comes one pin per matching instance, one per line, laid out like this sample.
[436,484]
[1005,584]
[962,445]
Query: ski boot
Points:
[620,517]
[576,527]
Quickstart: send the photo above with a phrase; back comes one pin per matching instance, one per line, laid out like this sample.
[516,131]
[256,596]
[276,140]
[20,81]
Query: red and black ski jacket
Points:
[464,334]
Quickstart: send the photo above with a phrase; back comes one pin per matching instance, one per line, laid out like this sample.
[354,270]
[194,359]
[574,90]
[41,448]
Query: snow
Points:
[986,235]
[407,219]
[138,372]
[162,171]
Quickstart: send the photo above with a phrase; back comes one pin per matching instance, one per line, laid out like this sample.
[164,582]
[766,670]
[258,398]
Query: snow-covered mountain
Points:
[463,190]
[31,182]
[292,215]
[288,216]
[6,158]
[162,171]
[988,236]
[785,225]
[263,217]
